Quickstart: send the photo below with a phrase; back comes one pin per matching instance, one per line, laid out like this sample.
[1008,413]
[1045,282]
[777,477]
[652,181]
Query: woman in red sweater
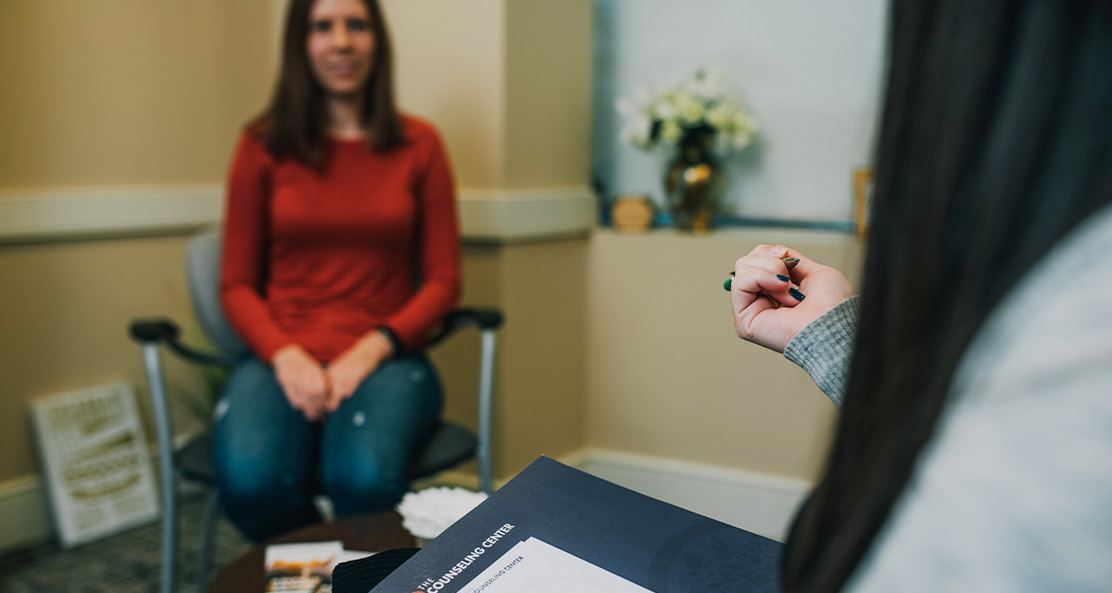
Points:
[341,252]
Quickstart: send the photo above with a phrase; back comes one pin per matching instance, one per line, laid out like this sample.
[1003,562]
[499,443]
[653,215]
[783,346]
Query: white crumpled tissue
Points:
[429,512]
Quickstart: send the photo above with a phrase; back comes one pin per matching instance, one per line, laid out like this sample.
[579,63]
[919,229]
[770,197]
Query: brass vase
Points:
[694,183]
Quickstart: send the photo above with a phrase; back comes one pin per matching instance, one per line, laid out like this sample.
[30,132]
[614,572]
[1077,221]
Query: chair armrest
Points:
[153,330]
[148,331]
[484,318]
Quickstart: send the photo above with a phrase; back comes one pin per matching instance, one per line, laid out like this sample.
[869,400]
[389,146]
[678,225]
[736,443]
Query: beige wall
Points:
[449,59]
[64,310]
[121,92]
[108,93]
[548,74]
[541,401]
[507,82]
[666,375]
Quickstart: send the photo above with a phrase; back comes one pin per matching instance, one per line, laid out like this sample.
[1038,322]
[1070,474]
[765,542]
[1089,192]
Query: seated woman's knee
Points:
[371,484]
[257,481]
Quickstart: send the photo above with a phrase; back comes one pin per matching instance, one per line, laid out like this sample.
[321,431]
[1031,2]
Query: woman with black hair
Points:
[340,254]
[974,372]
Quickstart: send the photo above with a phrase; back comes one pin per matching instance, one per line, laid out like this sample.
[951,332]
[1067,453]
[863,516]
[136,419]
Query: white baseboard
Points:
[755,502]
[486,216]
[24,514]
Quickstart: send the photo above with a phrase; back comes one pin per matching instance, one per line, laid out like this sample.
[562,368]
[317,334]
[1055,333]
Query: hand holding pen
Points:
[767,291]
[789,262]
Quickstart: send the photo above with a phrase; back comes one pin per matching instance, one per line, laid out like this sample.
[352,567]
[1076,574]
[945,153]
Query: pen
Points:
[788,261]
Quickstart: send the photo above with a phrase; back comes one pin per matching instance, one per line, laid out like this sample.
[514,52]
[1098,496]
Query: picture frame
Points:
[95,460]
[862,199]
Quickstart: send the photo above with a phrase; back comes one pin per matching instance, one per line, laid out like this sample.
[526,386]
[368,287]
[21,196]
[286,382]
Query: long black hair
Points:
[996,141]
[294,123]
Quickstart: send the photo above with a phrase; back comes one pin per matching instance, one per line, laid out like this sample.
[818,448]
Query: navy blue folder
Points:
[657,545]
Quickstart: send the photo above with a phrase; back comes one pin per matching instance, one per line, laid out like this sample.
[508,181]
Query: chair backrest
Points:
[202,272]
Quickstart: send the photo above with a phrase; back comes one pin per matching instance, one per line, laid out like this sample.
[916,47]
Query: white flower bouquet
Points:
[702,103]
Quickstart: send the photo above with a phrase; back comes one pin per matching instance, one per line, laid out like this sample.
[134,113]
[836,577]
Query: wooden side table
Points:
[367,533]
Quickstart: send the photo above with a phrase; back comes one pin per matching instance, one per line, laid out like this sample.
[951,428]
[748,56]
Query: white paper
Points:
[533,566]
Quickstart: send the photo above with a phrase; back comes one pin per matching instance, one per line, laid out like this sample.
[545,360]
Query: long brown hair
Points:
[996,142]
[294,123]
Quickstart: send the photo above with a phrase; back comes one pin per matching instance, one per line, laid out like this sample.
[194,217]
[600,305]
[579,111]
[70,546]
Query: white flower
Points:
[690,108]
[670,132]
[707,84]
[740,141]
[743,122]
[701,102]
[637,130]
[721,115]
[665,108]
[626,107]
[429,512]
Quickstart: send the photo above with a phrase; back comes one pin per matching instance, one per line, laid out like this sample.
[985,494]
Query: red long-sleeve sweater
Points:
[322,258]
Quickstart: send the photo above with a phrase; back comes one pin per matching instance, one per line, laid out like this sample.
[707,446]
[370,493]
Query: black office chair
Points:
[449,445]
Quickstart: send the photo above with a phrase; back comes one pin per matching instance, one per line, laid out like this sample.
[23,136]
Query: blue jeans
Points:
[270,461]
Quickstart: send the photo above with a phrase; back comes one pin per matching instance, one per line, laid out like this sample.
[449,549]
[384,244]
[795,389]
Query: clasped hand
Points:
[317,389]
[768,307]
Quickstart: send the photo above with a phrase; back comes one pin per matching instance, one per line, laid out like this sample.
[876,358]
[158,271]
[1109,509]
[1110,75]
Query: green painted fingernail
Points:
[728,284]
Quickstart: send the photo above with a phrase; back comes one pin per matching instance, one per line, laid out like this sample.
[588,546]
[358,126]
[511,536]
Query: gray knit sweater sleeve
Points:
[825,346]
